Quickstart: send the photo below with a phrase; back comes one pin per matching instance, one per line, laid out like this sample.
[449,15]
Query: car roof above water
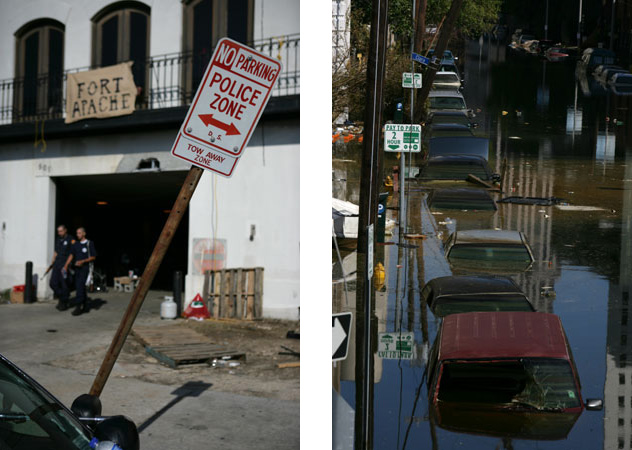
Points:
[491,335]
[488,236]
[474,284]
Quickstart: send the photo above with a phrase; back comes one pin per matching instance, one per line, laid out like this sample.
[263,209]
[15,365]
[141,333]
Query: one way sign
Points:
[341,328]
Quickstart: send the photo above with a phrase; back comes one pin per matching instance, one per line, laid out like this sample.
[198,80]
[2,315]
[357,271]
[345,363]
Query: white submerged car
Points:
[447,81]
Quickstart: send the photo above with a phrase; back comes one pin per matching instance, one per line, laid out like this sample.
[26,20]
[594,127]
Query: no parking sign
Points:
[227,107]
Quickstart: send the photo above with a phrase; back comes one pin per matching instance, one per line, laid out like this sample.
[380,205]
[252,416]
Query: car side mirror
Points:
[495,177]
[120,430]
[594,404]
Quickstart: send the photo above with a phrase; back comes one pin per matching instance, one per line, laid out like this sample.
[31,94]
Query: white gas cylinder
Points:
[168,308]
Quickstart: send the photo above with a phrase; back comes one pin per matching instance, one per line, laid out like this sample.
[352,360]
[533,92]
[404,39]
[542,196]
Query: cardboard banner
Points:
[100,93]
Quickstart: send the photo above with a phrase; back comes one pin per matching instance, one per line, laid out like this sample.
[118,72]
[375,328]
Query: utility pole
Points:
[369,185]
[419,29]
[579,26]
[442,45]
[613,7]
[546,21]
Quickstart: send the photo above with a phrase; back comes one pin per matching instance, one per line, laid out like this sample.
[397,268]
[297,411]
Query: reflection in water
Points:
[618,391]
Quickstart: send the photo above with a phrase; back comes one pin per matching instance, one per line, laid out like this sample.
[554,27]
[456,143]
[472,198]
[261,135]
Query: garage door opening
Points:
[123,215]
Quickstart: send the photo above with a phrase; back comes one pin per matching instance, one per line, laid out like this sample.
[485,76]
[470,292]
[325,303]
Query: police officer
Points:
[58,279]
[83,253]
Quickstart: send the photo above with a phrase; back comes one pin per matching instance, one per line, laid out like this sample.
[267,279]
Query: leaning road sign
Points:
[402,138]
[227,107]
[420,59]
[395,345]
[340,331]
[407,80]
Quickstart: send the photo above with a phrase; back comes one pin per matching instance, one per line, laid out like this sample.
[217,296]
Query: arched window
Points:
[120,33]
[39,69]
[205,23]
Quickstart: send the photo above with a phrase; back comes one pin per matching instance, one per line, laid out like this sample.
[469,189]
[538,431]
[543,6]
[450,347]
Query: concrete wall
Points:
[263,192]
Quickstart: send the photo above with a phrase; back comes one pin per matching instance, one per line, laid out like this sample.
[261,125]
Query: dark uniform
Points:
[79,252]
[58,282]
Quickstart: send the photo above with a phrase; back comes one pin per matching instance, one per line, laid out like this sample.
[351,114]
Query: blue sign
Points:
[420,59]
[380,208]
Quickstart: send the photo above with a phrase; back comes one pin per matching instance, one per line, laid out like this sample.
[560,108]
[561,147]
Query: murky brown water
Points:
[583,254]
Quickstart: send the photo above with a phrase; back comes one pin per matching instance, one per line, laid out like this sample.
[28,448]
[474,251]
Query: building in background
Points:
[115,175]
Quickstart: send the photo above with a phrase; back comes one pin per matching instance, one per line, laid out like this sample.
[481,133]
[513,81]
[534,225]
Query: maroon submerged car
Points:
[505,374]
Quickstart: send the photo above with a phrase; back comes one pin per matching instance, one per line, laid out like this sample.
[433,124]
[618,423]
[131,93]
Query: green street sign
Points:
[407,80]
[396,345]
[402,138]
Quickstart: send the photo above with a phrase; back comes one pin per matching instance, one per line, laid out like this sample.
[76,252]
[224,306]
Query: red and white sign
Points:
[227,107]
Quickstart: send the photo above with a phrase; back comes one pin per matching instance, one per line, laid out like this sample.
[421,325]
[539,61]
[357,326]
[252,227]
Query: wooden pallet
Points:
[234,293]
[177,355]
[169,335]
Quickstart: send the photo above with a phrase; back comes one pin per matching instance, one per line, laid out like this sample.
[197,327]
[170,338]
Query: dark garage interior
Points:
[123,215]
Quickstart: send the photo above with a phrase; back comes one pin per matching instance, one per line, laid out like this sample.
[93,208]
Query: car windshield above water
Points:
[461,199]
[30,418]
[447,103]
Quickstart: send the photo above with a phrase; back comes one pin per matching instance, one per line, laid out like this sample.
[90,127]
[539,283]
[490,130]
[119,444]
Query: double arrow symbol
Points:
[229,129]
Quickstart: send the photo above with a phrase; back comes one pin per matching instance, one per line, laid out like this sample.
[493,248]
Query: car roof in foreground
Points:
[473,285]
[488,236]
[490,335]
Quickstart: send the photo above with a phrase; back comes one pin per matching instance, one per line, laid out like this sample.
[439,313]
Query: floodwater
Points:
[560,138]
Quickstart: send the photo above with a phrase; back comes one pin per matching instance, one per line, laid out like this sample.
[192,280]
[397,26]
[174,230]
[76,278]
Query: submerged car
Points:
[447,81]
[459,294]
[447,58]
[456,168]
[593,57]
[31,418]
[461,199]
[458,145]
[446,100]
[498,251]
[451,117]
[450,130]
[505,374]
[623,79]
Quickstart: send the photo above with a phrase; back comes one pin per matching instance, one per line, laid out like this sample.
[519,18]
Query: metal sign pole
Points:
[178,210]
[368,357]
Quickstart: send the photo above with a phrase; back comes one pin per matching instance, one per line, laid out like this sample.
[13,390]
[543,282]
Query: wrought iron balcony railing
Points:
[164,81]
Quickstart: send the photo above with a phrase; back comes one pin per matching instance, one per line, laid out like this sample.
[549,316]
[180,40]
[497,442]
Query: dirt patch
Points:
[257,375]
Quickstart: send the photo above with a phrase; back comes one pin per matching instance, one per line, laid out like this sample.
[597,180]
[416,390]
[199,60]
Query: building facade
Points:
[115,176]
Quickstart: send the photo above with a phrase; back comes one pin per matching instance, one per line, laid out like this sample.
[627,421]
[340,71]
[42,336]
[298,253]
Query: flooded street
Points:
[550,136]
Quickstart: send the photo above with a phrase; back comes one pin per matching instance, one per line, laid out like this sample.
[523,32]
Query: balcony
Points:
[163,81]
